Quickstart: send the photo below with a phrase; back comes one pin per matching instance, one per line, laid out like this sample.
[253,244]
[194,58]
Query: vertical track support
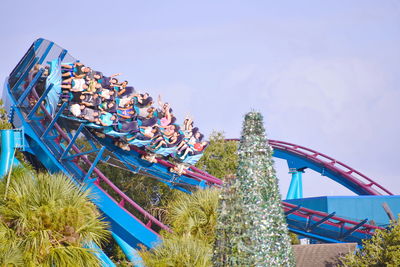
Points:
[296,184]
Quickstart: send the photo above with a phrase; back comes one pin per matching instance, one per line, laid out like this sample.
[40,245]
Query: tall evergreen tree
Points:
[251,228]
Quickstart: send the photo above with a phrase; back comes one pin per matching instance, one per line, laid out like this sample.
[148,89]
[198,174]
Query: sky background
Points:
[325,74]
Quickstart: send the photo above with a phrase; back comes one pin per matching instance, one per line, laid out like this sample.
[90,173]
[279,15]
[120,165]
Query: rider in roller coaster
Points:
[117,110]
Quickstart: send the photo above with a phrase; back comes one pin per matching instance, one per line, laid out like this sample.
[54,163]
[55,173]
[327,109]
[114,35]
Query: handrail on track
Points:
[314,155]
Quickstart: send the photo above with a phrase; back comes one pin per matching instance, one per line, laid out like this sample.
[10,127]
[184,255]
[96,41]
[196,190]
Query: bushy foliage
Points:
[4,124]
[192,219]
[46,220]
[179,251]
[383,249]
[220,158]
[194,215]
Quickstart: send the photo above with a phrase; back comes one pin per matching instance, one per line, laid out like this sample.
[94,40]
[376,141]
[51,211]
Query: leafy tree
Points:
[383,249]
[220,158]
[251,228]
[46,220]
[294,239]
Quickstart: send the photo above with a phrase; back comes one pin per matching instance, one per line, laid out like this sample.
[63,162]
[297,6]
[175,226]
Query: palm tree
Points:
[192,219]
[179,251]
[45,221]
[194,214]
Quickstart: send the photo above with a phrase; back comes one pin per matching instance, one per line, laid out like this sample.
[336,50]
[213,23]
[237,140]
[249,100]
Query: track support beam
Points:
[316,224]
[54,120]
[72,142]
[37,105]
[97,159]
[30,87]
[292,210]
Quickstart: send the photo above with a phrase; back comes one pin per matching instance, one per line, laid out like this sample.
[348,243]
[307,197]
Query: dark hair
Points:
[201,136]
[147,101]
[195,130]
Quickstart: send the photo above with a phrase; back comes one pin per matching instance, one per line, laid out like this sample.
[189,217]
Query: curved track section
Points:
[318,225]
[52,140]
[300,157]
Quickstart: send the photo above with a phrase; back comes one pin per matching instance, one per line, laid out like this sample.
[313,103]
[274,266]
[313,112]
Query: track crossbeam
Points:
[316,224]
[292,210]
[351,230]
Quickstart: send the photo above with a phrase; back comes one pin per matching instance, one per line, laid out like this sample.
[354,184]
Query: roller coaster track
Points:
[52,141]
[358,182]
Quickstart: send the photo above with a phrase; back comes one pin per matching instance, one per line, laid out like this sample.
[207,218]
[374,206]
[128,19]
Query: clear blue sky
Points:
[325,74]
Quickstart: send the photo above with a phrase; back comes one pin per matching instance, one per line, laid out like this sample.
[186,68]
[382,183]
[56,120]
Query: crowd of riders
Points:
[115,108]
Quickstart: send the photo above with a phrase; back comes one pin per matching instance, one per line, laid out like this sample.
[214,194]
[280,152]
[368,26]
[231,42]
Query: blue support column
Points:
[130,252]
[7,151]
[10,140]
[105,261]
[296,185]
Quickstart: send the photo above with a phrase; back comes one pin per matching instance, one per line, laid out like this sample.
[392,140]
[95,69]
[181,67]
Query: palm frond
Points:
[48,219]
